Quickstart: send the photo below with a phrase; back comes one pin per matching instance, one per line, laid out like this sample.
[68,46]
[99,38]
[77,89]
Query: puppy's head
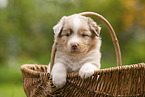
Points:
[76,34]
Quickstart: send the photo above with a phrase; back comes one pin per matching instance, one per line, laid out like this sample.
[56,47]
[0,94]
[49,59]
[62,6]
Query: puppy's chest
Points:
[74,64]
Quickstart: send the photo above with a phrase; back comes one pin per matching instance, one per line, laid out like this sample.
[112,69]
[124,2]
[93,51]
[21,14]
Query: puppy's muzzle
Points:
[75,47]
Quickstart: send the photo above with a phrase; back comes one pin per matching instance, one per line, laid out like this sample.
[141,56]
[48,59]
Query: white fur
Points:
[87,70]
[83,63]
[73,40]
[76,24]
[59,75]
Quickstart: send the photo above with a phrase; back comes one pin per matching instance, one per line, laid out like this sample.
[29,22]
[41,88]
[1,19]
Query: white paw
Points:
[59,79]
[59,75]
[87,70]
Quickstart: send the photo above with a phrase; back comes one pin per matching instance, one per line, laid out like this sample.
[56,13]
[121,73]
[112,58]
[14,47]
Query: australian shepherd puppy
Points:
[78,48]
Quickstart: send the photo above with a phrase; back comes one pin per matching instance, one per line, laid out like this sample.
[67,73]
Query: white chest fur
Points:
[74,63]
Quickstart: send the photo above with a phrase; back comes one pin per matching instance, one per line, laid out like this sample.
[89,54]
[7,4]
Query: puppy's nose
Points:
[74,46]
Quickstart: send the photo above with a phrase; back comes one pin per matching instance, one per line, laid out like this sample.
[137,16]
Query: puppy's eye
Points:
[67,35]
[71,31]
[83,35]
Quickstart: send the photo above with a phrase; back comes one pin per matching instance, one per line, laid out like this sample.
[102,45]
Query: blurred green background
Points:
[26,34]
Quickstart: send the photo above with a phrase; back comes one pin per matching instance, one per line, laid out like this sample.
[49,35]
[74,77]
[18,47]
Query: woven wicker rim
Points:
[29,69]
[112,33]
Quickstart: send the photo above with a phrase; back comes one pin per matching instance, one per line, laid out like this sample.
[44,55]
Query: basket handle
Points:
[112,33]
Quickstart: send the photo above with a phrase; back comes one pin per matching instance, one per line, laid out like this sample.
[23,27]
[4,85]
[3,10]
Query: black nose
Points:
[74,46]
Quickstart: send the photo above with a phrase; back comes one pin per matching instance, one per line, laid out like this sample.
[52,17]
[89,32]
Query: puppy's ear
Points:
[94,27]
[57,28]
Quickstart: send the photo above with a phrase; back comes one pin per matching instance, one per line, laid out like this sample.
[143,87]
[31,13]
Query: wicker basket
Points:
[117,81]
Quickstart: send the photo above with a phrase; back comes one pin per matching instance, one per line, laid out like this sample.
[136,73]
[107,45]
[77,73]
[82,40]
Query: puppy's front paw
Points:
[87,70]
[59,80]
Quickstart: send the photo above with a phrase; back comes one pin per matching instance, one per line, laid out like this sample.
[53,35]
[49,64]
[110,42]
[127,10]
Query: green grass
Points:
[11,84]
[11,90]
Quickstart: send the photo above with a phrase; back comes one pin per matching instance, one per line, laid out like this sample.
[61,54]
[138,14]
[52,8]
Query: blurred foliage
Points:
[26,34]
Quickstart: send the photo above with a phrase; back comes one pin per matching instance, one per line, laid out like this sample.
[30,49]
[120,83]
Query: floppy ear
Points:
[57,28]
[94,27]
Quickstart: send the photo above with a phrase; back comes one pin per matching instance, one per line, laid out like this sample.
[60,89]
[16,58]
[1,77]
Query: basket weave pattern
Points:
[117,81]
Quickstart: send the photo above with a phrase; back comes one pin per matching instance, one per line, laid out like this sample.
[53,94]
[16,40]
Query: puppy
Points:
[78,48]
